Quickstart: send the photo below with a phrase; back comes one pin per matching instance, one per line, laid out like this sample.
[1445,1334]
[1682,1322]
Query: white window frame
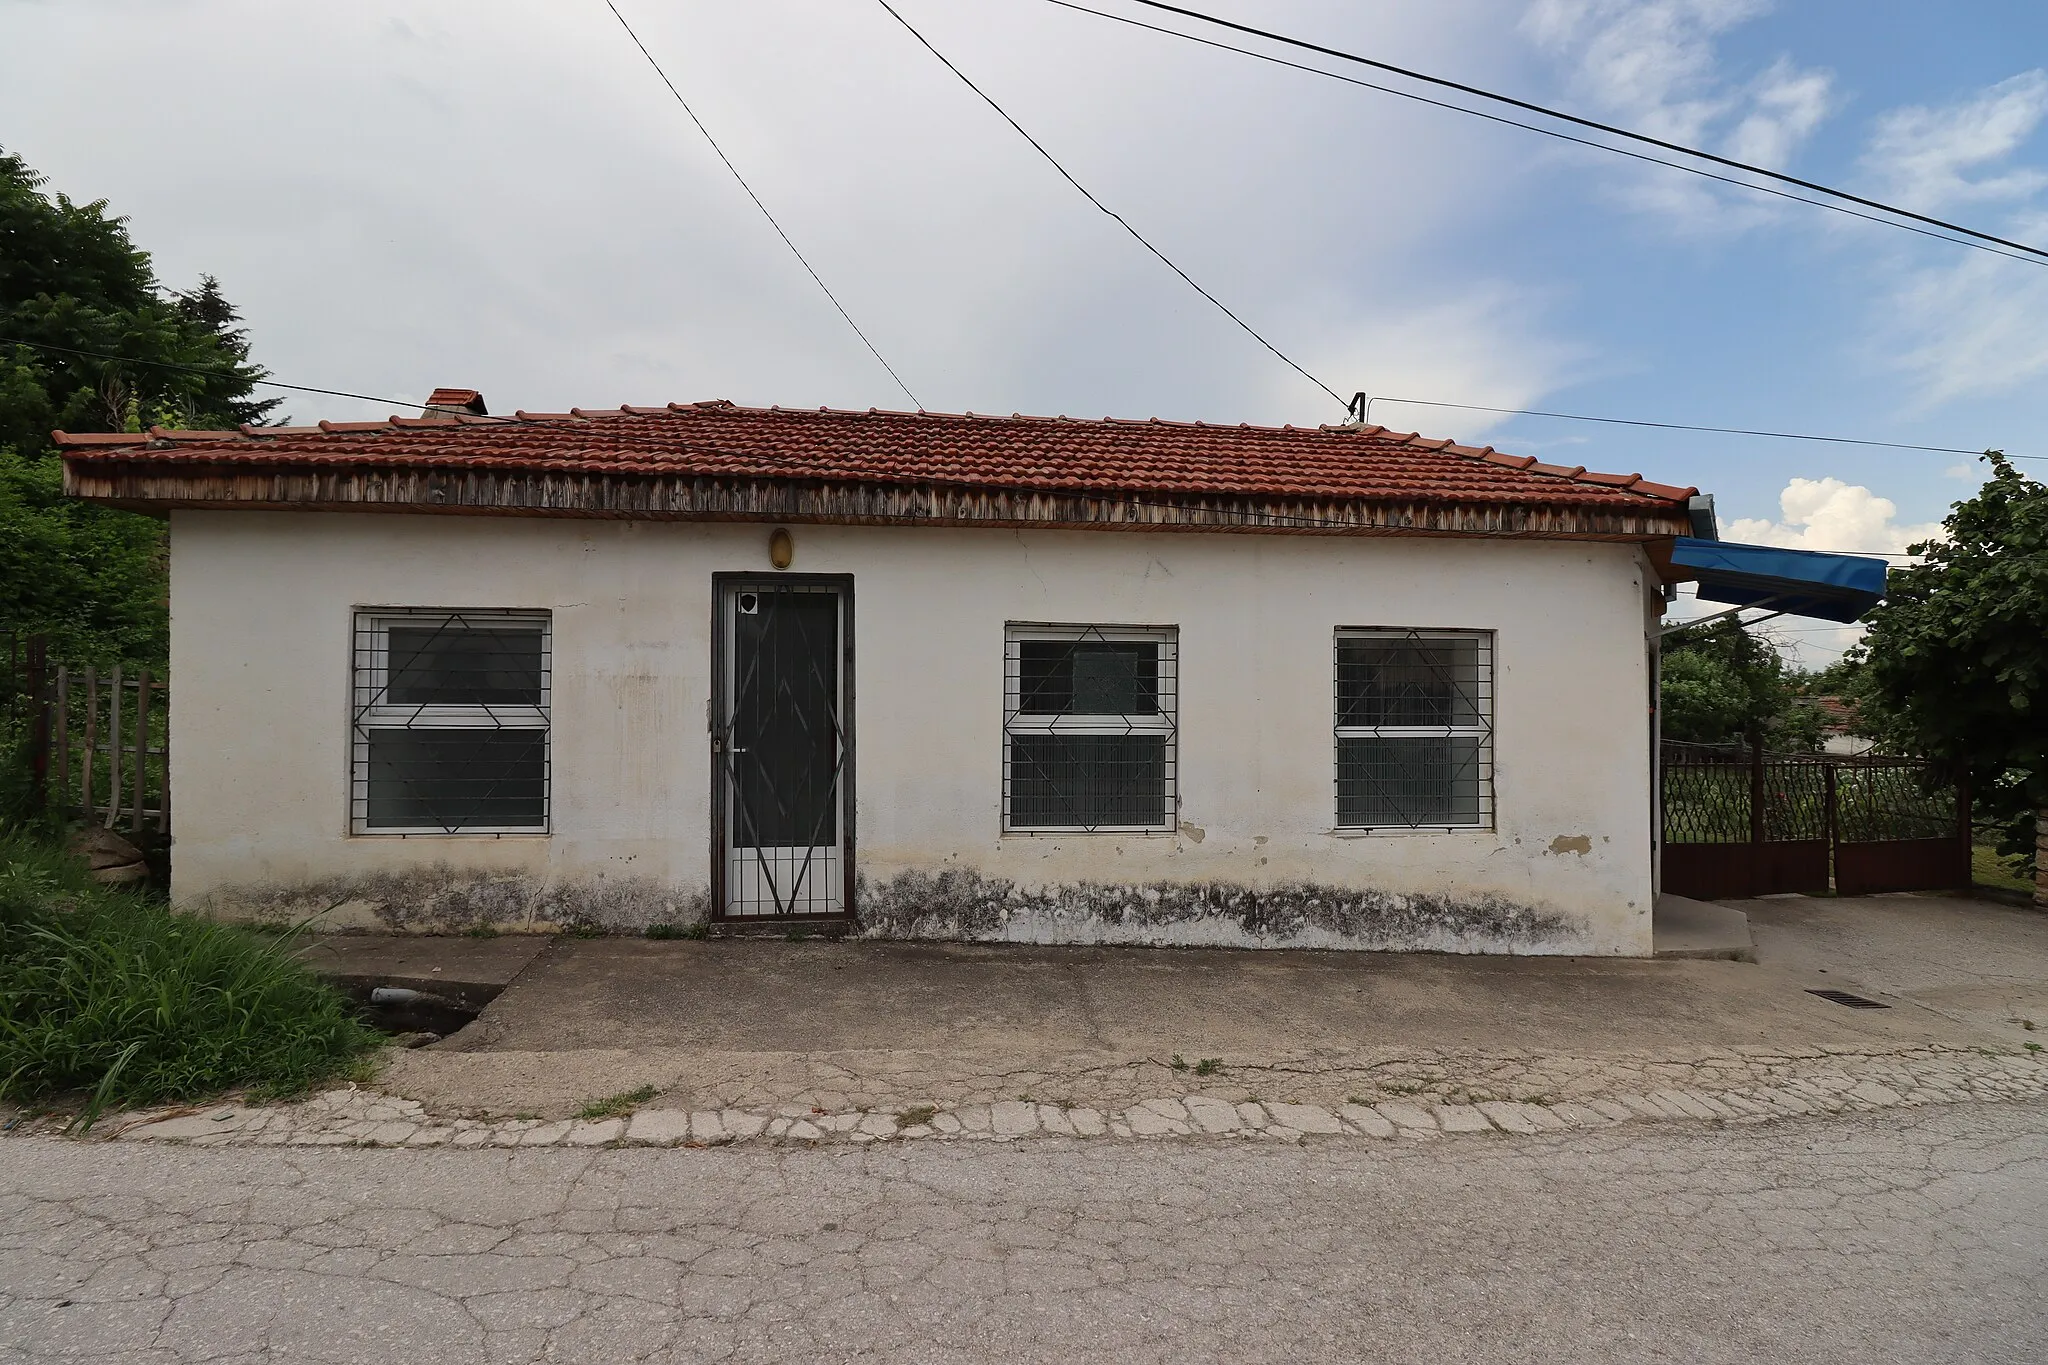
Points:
[372,710]
[1482,730]
[1165,722]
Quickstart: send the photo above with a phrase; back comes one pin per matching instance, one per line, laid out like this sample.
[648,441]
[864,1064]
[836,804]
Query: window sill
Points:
[1082,833]
[451,834]
[1409,831]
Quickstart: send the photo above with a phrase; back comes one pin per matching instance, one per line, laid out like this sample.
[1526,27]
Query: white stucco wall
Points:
[260,665]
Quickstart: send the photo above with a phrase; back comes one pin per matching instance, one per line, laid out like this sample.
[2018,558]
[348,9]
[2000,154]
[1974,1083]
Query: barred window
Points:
[450,722]
[1414,728]
[1088,727]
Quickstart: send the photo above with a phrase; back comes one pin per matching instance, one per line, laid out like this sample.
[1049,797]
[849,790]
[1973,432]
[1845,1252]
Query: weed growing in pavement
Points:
[482,931]
[797,933]
[583,931]
[1209,1066]
[2033,1047]
[625,1102]
[916,1116]
[1179,1063]
[667,931]
[111,995]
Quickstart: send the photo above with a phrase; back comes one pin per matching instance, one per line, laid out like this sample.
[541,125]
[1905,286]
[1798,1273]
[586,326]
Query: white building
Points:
[925,676]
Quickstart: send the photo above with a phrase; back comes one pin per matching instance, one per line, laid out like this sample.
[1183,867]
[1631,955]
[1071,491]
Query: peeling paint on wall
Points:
[963,904]
[448,899]
[1580,844]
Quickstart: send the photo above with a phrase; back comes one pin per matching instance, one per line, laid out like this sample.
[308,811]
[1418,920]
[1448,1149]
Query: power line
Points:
[1259,518]
[1595,124]
[759,205]
[213,372]
[1524,412]
[1537,128]
[1120,220]
[1365,415]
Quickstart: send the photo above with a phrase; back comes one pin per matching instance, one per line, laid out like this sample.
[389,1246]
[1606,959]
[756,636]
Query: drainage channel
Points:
[412,1013]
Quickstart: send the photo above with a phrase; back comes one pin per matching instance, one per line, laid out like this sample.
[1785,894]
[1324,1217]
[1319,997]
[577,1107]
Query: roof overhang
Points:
[459,487]
[1829,587]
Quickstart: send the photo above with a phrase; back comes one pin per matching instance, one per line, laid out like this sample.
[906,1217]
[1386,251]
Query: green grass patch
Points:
[625,1102]
[112,996]
[1987,868]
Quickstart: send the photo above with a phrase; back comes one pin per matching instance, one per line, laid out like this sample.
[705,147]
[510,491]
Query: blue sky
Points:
[501,194]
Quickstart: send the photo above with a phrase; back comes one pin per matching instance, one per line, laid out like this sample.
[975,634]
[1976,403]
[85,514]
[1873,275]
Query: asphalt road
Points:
[1916,1235]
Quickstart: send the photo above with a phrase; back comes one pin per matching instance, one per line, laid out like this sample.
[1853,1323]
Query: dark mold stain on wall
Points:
[444,898]
[962,904]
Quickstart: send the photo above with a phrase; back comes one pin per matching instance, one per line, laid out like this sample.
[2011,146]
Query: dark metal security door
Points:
[781,746]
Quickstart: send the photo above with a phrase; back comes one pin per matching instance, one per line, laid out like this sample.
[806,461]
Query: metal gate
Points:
[1741,822]
[782,746]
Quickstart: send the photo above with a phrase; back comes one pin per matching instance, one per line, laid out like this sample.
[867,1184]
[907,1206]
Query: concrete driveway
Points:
[1980,964]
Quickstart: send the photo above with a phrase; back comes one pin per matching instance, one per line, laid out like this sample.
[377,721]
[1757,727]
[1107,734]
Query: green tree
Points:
[1958,651]
[1722,683]
[75,289]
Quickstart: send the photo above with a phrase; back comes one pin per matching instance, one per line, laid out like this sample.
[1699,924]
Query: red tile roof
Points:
[720,440]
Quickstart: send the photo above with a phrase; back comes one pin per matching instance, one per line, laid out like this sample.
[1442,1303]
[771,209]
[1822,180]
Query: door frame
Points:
[721,645]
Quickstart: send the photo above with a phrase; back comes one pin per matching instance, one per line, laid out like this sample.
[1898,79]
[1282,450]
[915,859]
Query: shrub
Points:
[112,994]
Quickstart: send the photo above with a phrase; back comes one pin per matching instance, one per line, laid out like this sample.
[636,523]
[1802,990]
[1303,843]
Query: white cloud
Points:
[502,194]
[1820,514]
[1786,105]
[1652,65]
[1828,514]
[1967,324]
[1924,154]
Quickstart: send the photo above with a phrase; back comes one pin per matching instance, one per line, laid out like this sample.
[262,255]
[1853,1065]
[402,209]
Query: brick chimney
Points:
[456,403]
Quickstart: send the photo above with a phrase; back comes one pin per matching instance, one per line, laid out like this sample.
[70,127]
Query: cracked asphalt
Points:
[1897,1235]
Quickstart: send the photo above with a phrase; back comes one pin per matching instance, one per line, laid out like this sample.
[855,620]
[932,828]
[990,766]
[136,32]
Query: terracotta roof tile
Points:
[717,439]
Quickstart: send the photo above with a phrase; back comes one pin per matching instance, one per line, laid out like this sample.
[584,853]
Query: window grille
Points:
[1414,729]
[1088,727]
[450,722]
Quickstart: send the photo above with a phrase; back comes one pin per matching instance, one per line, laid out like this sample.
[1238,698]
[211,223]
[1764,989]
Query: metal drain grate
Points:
[1854,1002]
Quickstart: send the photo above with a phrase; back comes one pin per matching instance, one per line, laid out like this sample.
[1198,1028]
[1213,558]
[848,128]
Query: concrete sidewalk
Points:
[845,1026]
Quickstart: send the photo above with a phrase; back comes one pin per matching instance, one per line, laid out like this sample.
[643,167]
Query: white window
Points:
[1088,727]
[450,722]
[1414,728]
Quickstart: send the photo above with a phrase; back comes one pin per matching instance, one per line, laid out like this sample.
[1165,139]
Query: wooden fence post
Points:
[60,739]
[92,728]
[114,748]
[141,746]
[39,722]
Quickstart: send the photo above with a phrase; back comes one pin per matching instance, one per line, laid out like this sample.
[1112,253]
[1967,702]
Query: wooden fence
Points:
[96,743]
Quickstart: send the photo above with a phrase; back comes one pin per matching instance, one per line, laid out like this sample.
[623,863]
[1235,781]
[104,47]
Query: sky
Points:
[501,194]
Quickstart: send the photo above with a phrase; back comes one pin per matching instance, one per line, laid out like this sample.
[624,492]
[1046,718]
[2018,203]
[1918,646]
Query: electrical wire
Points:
[1535,128]
[1248,518]
[1680,426]
[1119,219]
[214,372]
[816,278]
[1525,412]
[1595,124]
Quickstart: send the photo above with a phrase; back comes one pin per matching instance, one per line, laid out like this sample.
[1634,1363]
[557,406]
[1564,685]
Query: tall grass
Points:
[111,995]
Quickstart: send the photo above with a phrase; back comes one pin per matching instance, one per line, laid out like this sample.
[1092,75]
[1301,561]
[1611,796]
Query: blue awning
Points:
[1800,582]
